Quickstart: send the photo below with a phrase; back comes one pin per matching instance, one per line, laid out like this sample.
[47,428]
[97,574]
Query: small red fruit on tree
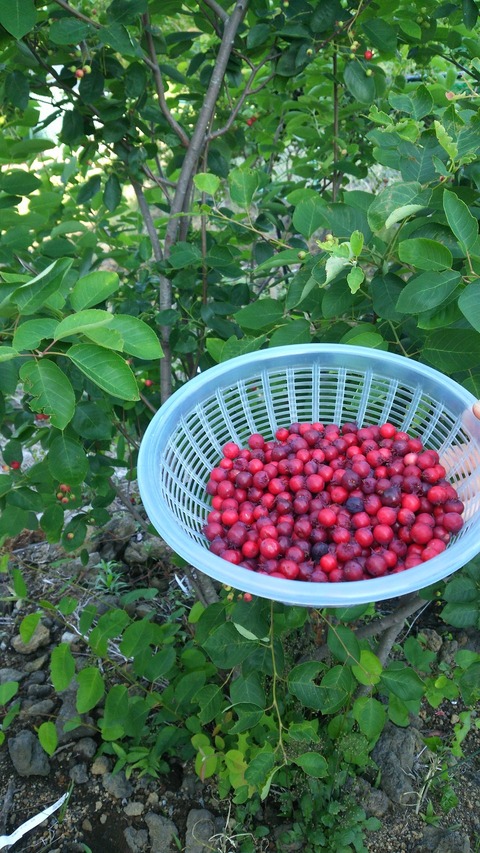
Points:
[79,73]
[15,465]
[368,54]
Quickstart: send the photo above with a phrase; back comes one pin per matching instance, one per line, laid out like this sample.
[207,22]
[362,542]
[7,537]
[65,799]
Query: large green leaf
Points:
[370,715]
[82,322]
[62,666]
[227,647]
[29,335]
[301,683]
[51,390]
[260,314]
[67,460]
[18,17]
[93,288]
[469,304]
[33,294]
[402,681]
[91,688]
[68,30]
[243,183]
[139,339]
[19,182]
[461,221]
[427,290]
[452,350]
[309,215]
[313,764]
[361,86]
[425,254]
[106,369]
[392,199]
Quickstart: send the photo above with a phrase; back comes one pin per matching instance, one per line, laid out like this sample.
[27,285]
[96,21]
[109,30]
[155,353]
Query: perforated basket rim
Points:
[222,376]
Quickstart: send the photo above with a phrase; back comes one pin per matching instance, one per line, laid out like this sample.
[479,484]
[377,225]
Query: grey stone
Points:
[7,673]
[86,747]
[27,755]
[162,832]
[200,829]
[136,839]
[117,785]
[395,754]
[35,679]
[78,774]
[438,840]
[39,638]
[147,548]
[116,535]
[373,800]
[36,664]
[38,691]
[37,709]
[134,809]
[433,640]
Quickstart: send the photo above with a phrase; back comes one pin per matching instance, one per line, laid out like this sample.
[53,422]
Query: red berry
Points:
[368,54]
[15,465]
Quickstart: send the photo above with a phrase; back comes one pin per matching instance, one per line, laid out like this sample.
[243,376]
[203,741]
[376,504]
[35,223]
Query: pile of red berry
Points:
[328,503]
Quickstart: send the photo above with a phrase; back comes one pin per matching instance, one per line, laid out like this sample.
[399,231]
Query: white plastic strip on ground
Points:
[8,840]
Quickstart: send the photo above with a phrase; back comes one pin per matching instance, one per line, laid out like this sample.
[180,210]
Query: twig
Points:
[148,220]
[160,89]
[6,806]
[77,14]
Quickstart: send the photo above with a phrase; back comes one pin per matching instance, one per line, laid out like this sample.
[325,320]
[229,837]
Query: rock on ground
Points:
[27,755]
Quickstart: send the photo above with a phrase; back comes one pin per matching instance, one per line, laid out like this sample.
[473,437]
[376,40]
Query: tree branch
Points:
[160,89]
[77,14]
[147,218]
[247,91]
[215,7]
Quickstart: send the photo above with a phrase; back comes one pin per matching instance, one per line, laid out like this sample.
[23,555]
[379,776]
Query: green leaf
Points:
[7,353]
[137,637]
[114,713]
[445,140]
[226,647]
[91,688]
[106,369]
[29,335]
[139,339]
[460,220]
[34,293]
[184,255]
[402,681]
[210,700]
[336,689]
[279,259]
[82,321]
[427,290]
[243,183]
[93,288]
[369,668]
[356,243]
[28,626]
[302,685]
[62,667]
[89,189]
[68,30]
[112,194]
[393,198]
[358,83]
[48,737]
[18,17]
[334,266]
[118,38]
[343,644]
[425,254]
[205,182]
[296,332]
[461,589]
[309,215]
[470,13]
[8,690]
[370,715]
[18,182]
[19,585]
[67,460]
[51,390]
[452,350]
[469,304]
[355,279]
[465,615]
[109,626]
[248,689]
[313,764]
[380,34]
[402,213]
[260,314]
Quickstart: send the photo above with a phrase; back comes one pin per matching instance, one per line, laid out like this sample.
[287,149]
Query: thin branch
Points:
[147,218]
[215,7]
[160,89]
[245,94]
[129,506]
[77,14]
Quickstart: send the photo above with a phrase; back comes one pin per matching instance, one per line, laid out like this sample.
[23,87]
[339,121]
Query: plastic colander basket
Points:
[332,383]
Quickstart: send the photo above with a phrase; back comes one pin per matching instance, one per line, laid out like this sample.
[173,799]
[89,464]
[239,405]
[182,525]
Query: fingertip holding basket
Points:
[265,390]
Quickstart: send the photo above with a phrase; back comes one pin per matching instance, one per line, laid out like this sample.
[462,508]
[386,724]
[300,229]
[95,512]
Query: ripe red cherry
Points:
[368,54]
[15,465]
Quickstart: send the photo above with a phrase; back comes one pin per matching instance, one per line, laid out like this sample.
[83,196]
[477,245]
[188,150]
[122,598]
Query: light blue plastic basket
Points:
[262,391]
